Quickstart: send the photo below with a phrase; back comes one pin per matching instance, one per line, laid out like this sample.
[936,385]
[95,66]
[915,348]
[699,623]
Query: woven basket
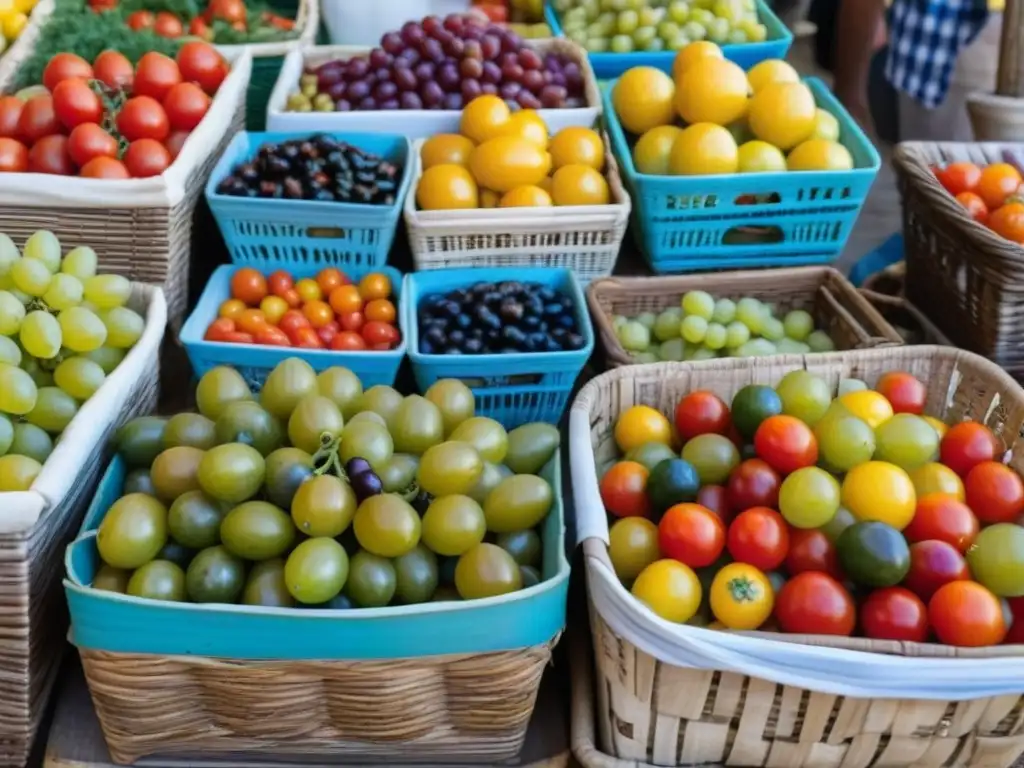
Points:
[908,321]
[654,712]
[968,280]
[836,305]
[36,526]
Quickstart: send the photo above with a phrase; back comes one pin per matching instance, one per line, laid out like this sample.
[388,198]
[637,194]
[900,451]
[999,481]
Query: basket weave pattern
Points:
[459,707]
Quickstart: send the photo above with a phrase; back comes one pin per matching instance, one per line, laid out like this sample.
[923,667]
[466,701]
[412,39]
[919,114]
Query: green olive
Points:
[158,580]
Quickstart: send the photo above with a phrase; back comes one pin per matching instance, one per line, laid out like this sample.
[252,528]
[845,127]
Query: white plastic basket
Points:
[307,21]
[348,23]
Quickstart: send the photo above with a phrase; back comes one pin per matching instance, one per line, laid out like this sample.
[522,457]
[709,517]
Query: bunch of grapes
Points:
[442,64]
[63,329]
[702,328]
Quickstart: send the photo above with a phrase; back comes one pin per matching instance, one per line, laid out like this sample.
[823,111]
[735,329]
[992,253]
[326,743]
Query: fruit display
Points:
[325,311]
[63,329]
[991,195]
[703,327]
[622,26]
[108,119]
[225,22]
[317,493]
[320,168]
[13,20]
[710,118]
[802,509]
[498,318]
[441,64]
[505,159]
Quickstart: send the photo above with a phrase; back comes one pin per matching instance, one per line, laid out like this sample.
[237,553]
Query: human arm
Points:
[860,31]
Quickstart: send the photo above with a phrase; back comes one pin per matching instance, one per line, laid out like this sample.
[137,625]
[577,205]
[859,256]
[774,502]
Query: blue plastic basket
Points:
[690,223]
[888,253]
[293,233]
[107,621]
[255,361]
[608,66]
[514,389]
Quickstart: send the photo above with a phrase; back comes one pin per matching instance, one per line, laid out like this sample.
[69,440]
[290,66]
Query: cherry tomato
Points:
[318,313]
[87,141]
[103,167]
[146,157]
[308,289]
[623,488]
[965,614]
[200,63]
[38,119]
[249,285]
[10,113]
[238,338]
[894,613]
[375,285]
[228,10]
[994,492]
[13,156]
[65,66]
[328,279]
[293,298]
[273,308]
[140,20]
[113,68]
[280,281]
[155,75]
[74,103]
[967,444]
[250,321]
[1016,634]
[753,484]
[996,183]
[811,550]
[786,444]
[96,6]
[941,517]
[741,597]
[327,334]
[933,564]
[959,177]
[168,25]
[691,534]
[904,392]
[292,320]
[175,142]
[219,328]
[352,321]
[814,603]
[345,299]
[376,332]
[347,341]
[50,155]
[199,28]
[381,310]
[716,498]
[759,536]
[702,413]
[186,105]
[974,206]
[272,336]
[142,117]
[1007,221]
[231,308]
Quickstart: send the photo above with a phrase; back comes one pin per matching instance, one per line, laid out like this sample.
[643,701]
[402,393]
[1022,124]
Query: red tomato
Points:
[272,336]
[38,119]
[87,141]
[933,564]
[759,536]
[498,14]
[786,443]
[168,25]
[10,112]
[146,158]
[940,517]
[716,498]
[64,66]
[994,492]
[113,68]
[216,330]
[966,445]
[155,75]
[965,614]
[959,177]
[753,484]
[228,10]
[103,167]
[50,155]
[74,103]
[201,64]
[1016,634]
[291,321]
[375,332]
[348,341]
[701,413]
[894,613]
[811,550]
[238,337]
[904,393]
[175,142]
[974,206]
[351,321]
[691,534]
[327,334]
[306,338]
[186,105]
[199,28]
[249,285]
[142,117]
[813,603]
[140,20]
[280,281]
[13,156]
[624,488]
[96,6]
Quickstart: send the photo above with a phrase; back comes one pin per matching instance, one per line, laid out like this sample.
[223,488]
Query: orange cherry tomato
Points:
[380,309]
[375,285]
[307,338]
[293,298]
[251,321]
[997,182]
[328,279]
[318,313]
[309,290]
[1008,221]
[273,308]
[345,299]
[292,320]
[219,328]
[249,285]
[786,444]
[351,321]
[965,614]
[691,534]
[280,282]
[959,177]
[974,205]
[624,490]
[904,392]
[347,341]
[231,308]
[940,517]
[273,337]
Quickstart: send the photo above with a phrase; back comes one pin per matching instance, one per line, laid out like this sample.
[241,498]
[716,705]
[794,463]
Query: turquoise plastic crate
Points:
[690,223]
[608,66]
[255,361]
[293,233]
[514,389]
[106,621]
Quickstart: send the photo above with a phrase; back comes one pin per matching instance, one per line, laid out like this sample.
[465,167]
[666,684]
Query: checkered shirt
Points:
[925,37]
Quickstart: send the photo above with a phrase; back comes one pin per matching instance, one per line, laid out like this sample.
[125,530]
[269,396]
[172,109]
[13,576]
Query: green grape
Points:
[750,313]
[618,321]
[627,23]
[21,296]
[736,334]
[644,36]
[12,312]
[651,17]
[17,390]
[679,11]
[703,15]
[54,410]
[716,336]
[645,357]
[29,440]
[718,30]
[31,276]
[667,30]
[756,348]
[83,331]
[108,291]
[666,326]
[41,376]
[8,254]
[578,36]
[64,291]
[758,34]
[634,337]
[108,358]
[10,352]
[124,327]
[597,45]
[726,9]
[80,377]
[772,329]
[819,341]
[621,44]
[673,349]
[725,311]
[40,335]
[694,29]
[703,353]
[699,304]
[798,324]
[646,319]
[693,328]
[679,42]
[6,434]
[80,262]
[17,473]
[737,37]
[788,346]
[45,247]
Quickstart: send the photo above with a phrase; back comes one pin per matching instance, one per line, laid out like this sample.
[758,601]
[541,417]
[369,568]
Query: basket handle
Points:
[614,352]
[81,549]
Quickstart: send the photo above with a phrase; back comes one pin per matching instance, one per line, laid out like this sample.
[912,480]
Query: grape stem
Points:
[327,460]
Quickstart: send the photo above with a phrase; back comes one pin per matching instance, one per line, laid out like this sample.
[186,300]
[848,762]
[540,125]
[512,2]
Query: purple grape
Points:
[448,77]
[328,78]
[472,49]
[491,72]
[409,57]
[510,90]
[471,68]
[431,23]
[432,94]
[508,59]
[356,69]
[405,79]
[473,31]
[512,72]
[453,101]
[454,47]
[410,100]
[527,100]
[573,76]
[533,80]
[489,88]
[470,89]
[389,104]
[444,37]
[358,91]
[511,42]
[371,79]
[453,22]
[392,43]
[337,91]
[552,96]
[385,91]
[552,62]
[343,105]
[557,78]
[356,466]
[380,58]
[530,59]
[425,70]
[369,103]
[431,49]
[490,46]
[412,32]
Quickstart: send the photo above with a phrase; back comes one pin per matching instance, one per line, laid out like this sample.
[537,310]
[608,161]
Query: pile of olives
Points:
[317,493]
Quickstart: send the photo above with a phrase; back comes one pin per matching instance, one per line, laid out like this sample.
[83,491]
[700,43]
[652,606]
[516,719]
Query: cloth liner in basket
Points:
[140,228]
[35,526]
[674,694]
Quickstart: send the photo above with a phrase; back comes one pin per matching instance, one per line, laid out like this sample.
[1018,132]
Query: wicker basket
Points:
[654,712]
[966,278]
[35,527]
[907,320]
[837,307]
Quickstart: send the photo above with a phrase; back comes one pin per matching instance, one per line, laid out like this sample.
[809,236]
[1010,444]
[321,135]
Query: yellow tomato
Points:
[692,53]
[653,150]
[937,478]
[939,426]
[507,162]
[704,149]
[783,114]
[643,98]
[484,118]
[670,589]
[819,155]
[878,490]
[641,424]
[760,157]
[579,185]
[231,308]
[25,6]
[632,546]
[527,124]
[741,597]
[712,91]
[577,146]
[867,405]
[825,125]
[447,187]
[771,71]
[489,198]
[273,308]
[528,196]
[14,24]
[446,149]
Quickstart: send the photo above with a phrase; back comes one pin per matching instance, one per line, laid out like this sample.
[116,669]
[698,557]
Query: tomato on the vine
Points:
[38,119]
[753,484]
[113,69]
[965,614]
[146,157]
[903,391]
[966,445]
[140,20]
[786,444]
[50,155]
[89,140]
[994,492]
[155,75]
[932,565]
[623,487]
[168,25]
[65,66]
[742,597]
[228,10]
[759,536]
[10,113]
[74,103]
[940,517]
[894,613]
[691,534]
[142,117]
[701,413]
[200,63]
[376,332]
[186,105]
[811,550]
[199,28]
[814,603]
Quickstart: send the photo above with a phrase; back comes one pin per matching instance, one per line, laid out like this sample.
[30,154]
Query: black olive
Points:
[426,347]
[436,336]
[463,321]
[566,321]
[531,323]
[553,309]
[452,351]
[324,196]
[511,311]
[293,188]
[510,351]
[546,294]
[574,341]
[550,345]
[558,332]
[492,336]
[473,346]
[456,336]
[476,333]
[450,309]
[512,334]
